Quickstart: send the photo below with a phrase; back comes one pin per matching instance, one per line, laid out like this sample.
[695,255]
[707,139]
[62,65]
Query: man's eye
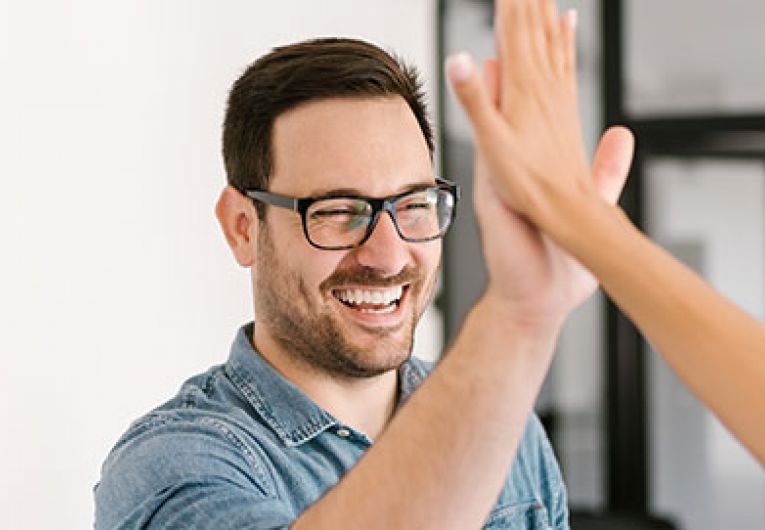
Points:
[344,218]
[424,205]
[334,212]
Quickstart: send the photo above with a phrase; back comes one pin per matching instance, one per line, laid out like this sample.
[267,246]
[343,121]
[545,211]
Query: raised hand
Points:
[529,148]
[531,168]
[527,126]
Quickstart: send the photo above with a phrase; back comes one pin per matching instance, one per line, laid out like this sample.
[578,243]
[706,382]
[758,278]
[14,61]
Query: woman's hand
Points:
[518,146]
[525,116]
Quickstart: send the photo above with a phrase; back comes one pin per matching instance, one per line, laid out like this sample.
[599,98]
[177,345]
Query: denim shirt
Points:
[241,447]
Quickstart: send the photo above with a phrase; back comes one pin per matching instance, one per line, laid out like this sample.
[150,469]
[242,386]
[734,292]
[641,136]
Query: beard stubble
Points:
[316,339]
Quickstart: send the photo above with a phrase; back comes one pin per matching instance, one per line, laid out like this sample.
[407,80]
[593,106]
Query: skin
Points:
[444,475]
[523,113]
[302,329]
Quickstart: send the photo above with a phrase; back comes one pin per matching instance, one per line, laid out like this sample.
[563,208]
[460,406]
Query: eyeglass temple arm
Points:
[273,199]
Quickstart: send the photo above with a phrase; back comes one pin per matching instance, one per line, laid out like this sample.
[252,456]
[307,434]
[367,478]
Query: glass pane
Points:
[711,215]
[688,57]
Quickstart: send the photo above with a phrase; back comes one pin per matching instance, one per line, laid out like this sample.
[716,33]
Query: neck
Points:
[366,404]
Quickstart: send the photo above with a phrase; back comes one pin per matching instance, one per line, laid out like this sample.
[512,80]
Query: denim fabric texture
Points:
[240,447]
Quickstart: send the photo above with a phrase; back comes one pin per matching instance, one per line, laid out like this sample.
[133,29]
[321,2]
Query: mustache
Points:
[371,277]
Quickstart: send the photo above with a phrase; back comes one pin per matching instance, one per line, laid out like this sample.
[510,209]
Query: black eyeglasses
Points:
[340,222]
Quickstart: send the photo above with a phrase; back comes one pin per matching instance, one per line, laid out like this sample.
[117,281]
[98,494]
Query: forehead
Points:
[372,145]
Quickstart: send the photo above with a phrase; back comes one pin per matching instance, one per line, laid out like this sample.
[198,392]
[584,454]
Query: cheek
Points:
[291,265]
[315,267]
[429,257]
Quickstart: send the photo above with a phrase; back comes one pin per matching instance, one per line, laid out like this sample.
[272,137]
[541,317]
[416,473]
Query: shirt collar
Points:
[287,410]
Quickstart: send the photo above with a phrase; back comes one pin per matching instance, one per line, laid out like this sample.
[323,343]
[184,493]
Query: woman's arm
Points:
[717,349]
[528,136]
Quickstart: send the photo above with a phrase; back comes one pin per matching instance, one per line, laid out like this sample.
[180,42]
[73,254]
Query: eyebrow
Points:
[341,192]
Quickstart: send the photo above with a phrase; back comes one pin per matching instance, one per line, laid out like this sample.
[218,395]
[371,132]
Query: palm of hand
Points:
[539,281]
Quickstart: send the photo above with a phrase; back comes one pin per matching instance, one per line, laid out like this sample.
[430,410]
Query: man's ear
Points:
[238,219]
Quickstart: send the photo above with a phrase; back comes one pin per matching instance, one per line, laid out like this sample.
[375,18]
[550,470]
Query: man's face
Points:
[372,147]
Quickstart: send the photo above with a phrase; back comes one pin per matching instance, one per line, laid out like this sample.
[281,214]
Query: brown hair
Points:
[307,71]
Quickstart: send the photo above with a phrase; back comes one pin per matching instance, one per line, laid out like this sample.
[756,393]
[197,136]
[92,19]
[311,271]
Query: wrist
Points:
[500,348]
[516,320]
[586,226]
[565,209]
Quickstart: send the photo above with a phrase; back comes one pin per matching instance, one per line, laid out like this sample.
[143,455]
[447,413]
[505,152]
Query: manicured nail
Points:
[459,67]
[572,17]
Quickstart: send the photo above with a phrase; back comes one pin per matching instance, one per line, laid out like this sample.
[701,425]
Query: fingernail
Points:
[572,17]
[459,67]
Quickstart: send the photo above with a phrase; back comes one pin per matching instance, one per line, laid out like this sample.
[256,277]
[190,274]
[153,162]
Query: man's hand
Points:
[445,475]
[529,145]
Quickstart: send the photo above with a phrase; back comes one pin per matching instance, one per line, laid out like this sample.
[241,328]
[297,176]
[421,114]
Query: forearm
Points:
[444,458]
[716,348]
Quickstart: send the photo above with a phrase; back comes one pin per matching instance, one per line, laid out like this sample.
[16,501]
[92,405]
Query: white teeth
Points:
[377,297]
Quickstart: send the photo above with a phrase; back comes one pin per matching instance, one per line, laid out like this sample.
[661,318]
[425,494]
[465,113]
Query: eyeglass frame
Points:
[387,204]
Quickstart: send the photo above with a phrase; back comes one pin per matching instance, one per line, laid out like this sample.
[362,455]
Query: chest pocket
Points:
[525,516]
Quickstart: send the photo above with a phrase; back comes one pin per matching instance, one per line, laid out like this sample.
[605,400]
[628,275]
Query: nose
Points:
[384,250]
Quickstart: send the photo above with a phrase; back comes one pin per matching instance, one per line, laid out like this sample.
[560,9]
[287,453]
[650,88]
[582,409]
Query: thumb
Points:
[472,95]
[611,163]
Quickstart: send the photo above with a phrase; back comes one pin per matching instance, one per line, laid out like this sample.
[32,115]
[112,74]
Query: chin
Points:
[378,356]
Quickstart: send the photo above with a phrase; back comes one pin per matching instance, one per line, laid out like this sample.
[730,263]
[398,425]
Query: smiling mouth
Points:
[374,301]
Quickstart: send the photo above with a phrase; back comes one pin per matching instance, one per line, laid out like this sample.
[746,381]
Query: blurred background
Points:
[116,284]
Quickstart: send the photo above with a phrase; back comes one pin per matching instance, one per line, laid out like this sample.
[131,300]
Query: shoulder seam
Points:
[159,418]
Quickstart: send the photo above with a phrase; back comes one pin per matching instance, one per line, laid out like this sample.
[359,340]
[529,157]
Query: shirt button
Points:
[342,432]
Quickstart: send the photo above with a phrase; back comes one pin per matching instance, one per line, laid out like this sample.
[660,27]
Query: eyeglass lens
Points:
[420,215]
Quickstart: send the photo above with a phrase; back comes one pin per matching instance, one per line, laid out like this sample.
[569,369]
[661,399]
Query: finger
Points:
[521,38]
[491,81]
[493,137]
[472,95]
[552,28]
[612,161]
[507,21]
[538,45]
[511,38]
[484,201]
[568,37]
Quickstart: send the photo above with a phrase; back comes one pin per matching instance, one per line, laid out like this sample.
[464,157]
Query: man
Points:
[314,421]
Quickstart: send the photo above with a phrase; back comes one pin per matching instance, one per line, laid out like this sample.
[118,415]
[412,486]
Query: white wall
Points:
[115,284]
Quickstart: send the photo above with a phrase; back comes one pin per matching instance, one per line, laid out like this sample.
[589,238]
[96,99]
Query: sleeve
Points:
[187,474]
[551,479]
